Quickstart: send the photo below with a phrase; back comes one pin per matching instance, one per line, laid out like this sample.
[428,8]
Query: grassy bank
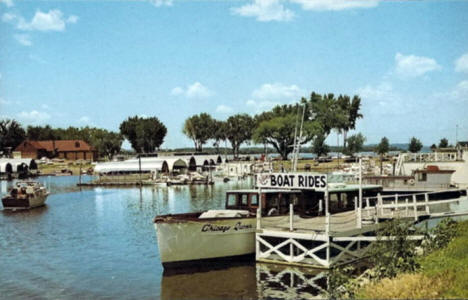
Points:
[443,274]
[58,167]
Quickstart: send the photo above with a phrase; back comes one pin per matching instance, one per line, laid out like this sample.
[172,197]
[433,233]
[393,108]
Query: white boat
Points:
[186,239]
[201,238]
[25,195]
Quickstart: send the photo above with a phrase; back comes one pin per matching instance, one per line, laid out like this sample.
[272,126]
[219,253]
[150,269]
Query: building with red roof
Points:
[66,149]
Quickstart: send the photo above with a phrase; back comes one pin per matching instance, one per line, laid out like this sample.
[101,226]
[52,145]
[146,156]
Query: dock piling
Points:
[426,199]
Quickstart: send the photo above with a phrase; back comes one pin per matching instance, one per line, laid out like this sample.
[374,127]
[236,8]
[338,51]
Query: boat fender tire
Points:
[272,212]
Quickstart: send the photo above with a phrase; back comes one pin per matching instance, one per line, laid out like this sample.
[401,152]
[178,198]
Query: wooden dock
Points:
[330,240]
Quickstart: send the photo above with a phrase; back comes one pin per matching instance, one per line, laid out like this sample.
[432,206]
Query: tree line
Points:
[310,121]
[280,126]
[144,134]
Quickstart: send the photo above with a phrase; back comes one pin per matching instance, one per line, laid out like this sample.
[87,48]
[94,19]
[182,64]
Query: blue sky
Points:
[98,62]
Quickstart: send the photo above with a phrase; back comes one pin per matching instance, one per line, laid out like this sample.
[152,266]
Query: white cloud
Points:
[383,99]
[269,95]
[33,117]
[177,91]
[159,3]
[195,90]
[8,3]
[264,11]
[8,17]
[378,92]
[323,5]
[37,59]
[414,66]
[461,91]
[23,39]
[461,64]
[53,20]
[280,91]
[72,19]
[224,109]
[4,102]
[260,106]
[84,120]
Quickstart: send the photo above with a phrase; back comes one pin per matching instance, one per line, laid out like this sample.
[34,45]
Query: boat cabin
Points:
[274,201]
[306,202]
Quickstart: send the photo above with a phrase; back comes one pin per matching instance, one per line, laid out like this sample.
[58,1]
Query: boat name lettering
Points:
[240,226]
[212,227]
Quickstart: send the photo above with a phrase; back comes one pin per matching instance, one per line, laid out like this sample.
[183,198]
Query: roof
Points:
[264,191]
[332,188]
[129,166]
[434,171]
[60,145]
[386,177]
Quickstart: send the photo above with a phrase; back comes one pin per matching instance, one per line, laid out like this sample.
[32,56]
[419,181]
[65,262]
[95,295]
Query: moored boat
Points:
[25,195]
[201,238]
[204,237]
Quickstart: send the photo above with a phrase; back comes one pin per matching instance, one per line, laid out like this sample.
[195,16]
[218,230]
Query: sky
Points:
[96,63]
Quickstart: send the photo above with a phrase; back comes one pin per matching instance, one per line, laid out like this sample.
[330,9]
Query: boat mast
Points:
[298,141]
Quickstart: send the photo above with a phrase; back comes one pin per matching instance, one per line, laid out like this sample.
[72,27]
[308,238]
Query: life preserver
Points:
[411,181]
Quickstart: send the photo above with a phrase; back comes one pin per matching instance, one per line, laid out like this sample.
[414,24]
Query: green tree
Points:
[11,134]
[350,109]
[382,148]
[443,143]
[144,134]
[327,111]
[107,143]
[281,125]
[200,128]
[39,133]
[239,130]
[398,255]
[355,144]
[319,147]
[218,134]
[415,145]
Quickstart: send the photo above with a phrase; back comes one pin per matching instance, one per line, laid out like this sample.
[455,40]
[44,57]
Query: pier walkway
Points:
[340,238]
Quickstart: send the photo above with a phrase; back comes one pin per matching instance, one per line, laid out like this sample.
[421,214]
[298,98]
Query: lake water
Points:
[100,243]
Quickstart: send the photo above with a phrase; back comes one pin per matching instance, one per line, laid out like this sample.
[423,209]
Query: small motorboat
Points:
[25,195]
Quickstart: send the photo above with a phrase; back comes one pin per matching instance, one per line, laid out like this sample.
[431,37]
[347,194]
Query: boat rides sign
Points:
[301,181]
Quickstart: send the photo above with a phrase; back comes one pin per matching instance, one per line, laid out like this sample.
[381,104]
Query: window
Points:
[422,177]
[245,200]
[254,199]
[232,200]
[77,144]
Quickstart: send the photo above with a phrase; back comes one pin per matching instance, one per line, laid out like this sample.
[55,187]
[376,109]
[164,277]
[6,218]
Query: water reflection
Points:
[247,281]
[236,282]
[287,282]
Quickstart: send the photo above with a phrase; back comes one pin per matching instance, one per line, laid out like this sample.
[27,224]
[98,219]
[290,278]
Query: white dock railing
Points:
[336,239]
[409,207]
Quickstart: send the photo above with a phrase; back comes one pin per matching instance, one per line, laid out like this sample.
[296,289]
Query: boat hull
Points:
[189,242]
[10,203]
